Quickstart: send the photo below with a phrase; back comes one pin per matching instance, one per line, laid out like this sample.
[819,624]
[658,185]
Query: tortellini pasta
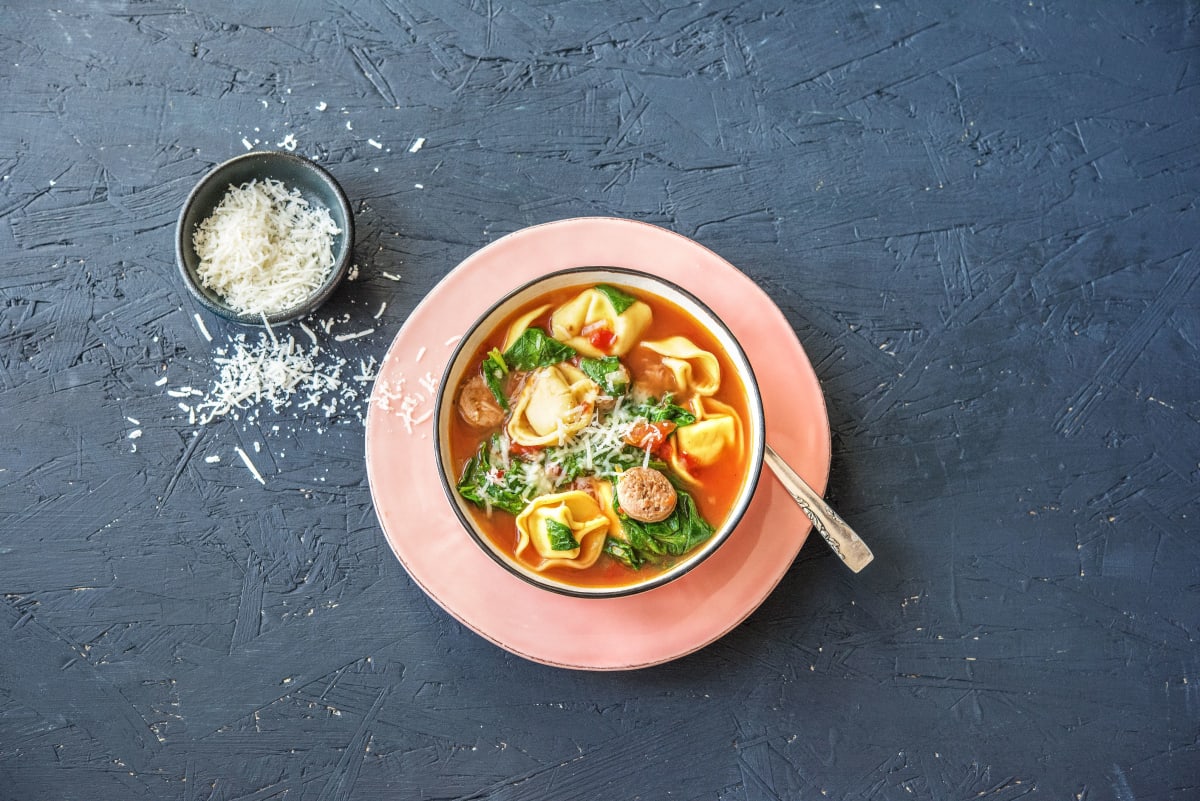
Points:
[554,403]
[577,321]
[520,324]
[543,527]
[695,369]
[605,492]
[716,435]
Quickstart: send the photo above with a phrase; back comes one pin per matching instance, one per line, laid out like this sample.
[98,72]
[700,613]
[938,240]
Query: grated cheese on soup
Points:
[600,446]
[264,249]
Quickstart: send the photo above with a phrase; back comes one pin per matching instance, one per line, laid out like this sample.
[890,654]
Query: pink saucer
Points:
[590,634]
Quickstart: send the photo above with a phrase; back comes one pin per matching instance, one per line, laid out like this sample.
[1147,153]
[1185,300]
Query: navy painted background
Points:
[981,219]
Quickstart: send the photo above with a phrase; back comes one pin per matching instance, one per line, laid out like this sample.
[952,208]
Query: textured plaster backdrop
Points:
[980,219]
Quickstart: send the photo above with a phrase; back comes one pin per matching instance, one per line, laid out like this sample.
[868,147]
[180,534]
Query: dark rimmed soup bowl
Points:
[451,432]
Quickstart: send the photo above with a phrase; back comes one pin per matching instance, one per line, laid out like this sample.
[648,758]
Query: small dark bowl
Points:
[317,187]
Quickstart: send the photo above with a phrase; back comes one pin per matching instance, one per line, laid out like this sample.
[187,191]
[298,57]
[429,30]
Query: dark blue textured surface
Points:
[980,218]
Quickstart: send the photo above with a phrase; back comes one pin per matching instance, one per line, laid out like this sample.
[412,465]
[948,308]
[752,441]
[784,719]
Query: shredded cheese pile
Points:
[272,371]
[264,249]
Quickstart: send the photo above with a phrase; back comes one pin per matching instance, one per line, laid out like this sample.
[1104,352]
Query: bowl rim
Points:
[342,256]
[754,474]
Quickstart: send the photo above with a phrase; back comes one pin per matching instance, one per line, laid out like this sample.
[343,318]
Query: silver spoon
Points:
[841,538]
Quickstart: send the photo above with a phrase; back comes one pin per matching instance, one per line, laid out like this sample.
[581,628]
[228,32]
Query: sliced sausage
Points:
[477,405]
[654,379]
[645,494]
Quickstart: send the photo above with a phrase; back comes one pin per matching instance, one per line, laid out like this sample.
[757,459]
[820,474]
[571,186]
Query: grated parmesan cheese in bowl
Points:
[264,249]
[264,238]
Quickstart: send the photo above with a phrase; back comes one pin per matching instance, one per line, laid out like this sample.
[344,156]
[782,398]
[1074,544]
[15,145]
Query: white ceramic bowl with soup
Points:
[599,432]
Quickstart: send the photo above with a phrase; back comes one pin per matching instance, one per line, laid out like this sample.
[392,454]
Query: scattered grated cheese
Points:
[267,372]
[366,370]
[454,340]
[212,459]
[160,381]
[135,433]
[390,276]
[264,248]
[409,408]
[374,144]
[135,422]
[288,143]
[277,371]
[308,331]
[200,325]
[597,446]
[356,335]
[250,466]
[382,308]
[417,145]
[420,354]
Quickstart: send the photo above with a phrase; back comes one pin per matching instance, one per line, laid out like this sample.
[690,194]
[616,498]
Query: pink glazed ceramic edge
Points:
[589,633]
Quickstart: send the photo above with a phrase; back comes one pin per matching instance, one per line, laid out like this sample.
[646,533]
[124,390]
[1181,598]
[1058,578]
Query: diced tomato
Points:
[602,338]
[688,462]
[517,449]
[653,436]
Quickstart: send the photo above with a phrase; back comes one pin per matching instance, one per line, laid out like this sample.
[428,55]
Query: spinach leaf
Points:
[494,370]
[623,552]
[675,536]
[535,348]
[488,488]
[608,372]
[694,528]
[640,538]
[561,538]
[620,300]
[657,411]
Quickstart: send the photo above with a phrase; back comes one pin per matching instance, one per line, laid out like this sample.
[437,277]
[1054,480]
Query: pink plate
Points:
[588,633]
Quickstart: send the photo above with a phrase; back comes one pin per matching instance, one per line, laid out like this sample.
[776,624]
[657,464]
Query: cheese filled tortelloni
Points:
[521,325]
[590,324]
[554,403]
[695,370]
[542,526]
[716,434]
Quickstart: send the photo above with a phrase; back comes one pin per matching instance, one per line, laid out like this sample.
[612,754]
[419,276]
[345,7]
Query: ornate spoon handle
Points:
[841,538]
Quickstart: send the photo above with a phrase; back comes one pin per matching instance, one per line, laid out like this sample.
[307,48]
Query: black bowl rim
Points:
[736,514]
[322,294]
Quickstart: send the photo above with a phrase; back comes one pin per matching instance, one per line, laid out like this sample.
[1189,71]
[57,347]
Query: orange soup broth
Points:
[719,484]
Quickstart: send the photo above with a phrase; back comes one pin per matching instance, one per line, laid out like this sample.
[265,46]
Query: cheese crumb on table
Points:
[267,372]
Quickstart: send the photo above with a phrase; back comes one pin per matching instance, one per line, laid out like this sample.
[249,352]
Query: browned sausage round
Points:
[645,494]
[655,380]
[477,405]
